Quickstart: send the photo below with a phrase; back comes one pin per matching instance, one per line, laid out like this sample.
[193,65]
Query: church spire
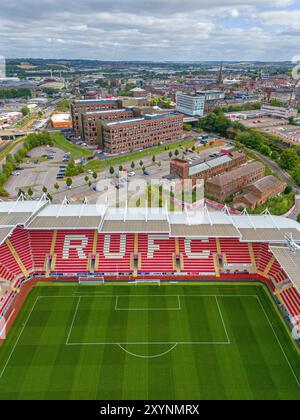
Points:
[220,77]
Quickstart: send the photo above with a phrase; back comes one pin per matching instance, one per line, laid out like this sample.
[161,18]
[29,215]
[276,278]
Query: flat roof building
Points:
[192,105]
[141,133]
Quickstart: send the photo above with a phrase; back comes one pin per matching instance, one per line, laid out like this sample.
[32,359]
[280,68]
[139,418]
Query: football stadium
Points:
[138,303]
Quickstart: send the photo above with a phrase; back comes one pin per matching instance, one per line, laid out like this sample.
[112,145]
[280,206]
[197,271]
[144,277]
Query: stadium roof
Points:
[289,261]
[136,220]
[5,233]
[197,223]
[66,216]
[14,213]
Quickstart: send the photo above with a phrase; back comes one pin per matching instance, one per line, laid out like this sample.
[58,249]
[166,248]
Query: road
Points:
[278,171]
[285,177]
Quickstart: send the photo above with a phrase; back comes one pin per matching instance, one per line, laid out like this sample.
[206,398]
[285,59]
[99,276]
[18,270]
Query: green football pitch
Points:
[208,341]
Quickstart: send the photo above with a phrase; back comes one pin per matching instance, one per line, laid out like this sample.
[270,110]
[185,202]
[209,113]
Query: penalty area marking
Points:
[140,356]
[174,345]
[171,343]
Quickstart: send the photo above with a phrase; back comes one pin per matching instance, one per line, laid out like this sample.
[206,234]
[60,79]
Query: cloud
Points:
[150,29]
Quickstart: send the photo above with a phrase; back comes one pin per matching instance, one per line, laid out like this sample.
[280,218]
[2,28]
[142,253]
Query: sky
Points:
[151,30]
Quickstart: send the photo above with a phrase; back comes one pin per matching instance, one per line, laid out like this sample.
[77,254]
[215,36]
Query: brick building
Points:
[141,133]
[207,168]
[79,108]
[92,122]
[232,182]
[259,192]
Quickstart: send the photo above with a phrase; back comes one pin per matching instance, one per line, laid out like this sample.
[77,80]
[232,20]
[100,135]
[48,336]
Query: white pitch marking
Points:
[74,317]
[147,357]
[280,345]
[18,339]
[223,322]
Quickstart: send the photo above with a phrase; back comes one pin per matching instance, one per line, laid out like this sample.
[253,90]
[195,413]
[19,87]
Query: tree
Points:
[44,189]
[86,178]
[120,168]
[132,165]
[90,184]
[153,158]
[56,186]
[288,189]
[95,176]
[111,170]
[289,159]
[25,111]
[187,127]
[141,163]
[275,155]
[30,192]
[298,218]
[49,196]
[170,154]
[176,152]
[69,182]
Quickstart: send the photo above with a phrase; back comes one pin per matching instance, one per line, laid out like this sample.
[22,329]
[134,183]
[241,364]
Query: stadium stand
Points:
[65,240]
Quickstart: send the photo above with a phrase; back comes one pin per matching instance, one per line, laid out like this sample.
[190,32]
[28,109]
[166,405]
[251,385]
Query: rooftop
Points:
[198,223]
[228,177]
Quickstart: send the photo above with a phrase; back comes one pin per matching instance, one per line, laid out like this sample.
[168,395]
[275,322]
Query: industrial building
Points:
[232,182]
[259,192]
[208,168]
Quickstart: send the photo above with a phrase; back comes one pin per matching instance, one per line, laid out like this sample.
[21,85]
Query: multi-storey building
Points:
[232,182]
[141,133]
[278,112]
[192,105]
[92,122]
[208,168]
[79,108]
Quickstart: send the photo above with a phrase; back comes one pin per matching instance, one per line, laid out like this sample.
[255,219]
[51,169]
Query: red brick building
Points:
[92,122]
[141,133]
[259,192]
[79,108]
[232,182]
[207,168]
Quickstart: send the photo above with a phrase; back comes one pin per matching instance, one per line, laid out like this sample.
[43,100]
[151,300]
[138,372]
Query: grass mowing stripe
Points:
[18,339]
[280,345]
[252,366]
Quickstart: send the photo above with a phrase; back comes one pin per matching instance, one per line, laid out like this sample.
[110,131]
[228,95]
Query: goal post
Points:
[137,282]
[88,281]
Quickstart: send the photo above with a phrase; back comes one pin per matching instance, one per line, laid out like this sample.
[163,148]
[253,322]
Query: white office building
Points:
[192,105]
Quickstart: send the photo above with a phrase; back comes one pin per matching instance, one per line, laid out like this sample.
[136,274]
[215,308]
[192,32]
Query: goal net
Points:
[91,280]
